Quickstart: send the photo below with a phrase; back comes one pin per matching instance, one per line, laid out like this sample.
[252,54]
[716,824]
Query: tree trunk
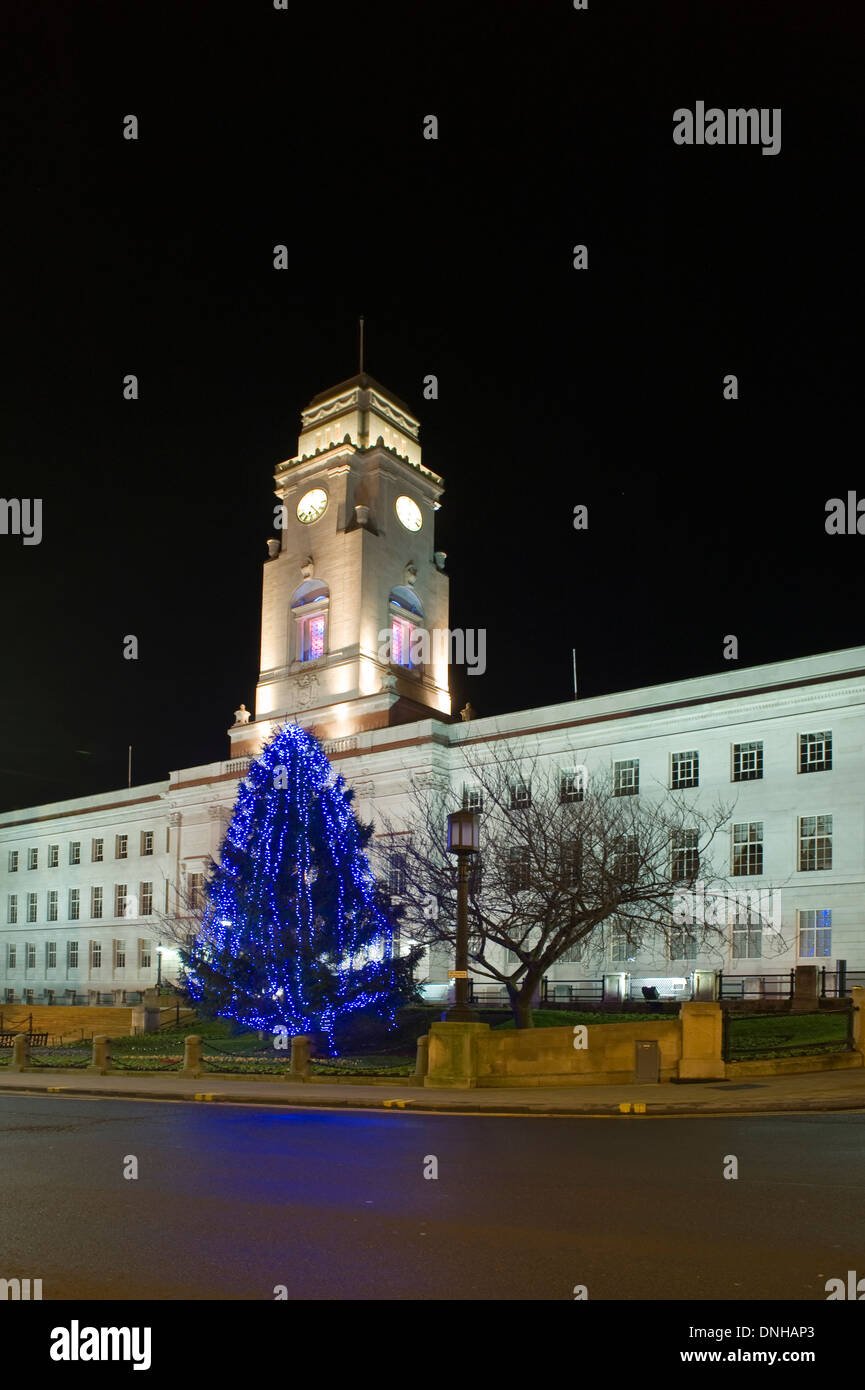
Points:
[521,1005]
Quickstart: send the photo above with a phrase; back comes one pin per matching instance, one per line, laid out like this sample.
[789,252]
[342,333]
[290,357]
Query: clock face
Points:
[311,505]
[409,513]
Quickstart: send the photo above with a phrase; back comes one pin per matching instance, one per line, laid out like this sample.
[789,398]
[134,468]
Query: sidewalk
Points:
[844,1090]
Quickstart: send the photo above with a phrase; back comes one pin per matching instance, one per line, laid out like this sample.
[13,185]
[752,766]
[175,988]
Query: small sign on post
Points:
[458,974]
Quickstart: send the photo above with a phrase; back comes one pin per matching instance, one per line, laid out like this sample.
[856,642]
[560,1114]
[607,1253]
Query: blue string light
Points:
[294,933]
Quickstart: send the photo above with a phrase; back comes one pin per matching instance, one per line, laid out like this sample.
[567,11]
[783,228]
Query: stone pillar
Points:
[421,1065]
[99,1060]
[701,1042]
[453,1051]
[300,1057]
[20,1053]
[191,1056]
[145,1019]
[805,1000]
[858,1018]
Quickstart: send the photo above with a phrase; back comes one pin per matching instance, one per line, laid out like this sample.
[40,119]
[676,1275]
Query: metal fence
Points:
[741,1041]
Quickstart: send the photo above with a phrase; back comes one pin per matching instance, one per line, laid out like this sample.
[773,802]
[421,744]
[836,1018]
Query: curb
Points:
[618,1110]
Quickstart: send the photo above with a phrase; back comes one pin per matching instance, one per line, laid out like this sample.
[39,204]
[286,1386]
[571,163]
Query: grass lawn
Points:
[784,1035]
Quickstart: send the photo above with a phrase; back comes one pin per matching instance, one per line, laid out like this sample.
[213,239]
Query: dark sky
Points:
[557,387]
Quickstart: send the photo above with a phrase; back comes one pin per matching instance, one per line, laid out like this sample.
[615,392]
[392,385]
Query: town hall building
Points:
[351,580]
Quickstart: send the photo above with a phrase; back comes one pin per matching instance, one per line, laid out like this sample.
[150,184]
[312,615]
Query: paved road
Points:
[231,1201]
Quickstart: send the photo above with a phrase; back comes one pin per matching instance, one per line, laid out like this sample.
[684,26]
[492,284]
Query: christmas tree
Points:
[296,933]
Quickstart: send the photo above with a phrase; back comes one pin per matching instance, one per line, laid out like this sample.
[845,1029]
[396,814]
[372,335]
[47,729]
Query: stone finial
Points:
[307,569]
[468,713]
[410,573]
[242,715]
[388,682]
[273,547]
[361,514]
[440,556]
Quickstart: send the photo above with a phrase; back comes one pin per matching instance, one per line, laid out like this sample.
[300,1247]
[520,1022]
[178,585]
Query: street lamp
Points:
[158,969]
[464,834]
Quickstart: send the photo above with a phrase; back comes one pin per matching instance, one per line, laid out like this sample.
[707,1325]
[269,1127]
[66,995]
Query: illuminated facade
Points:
[351,575]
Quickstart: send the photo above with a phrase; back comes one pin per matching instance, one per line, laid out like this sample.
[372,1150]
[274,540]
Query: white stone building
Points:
[353,563]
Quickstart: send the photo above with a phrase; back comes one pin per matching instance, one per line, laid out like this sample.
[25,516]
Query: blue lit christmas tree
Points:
[296,933]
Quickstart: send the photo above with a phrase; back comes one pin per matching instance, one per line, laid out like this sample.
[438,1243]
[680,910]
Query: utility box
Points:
[647,1062]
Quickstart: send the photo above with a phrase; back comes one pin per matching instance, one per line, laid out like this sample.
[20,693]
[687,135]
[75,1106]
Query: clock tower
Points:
[354,619]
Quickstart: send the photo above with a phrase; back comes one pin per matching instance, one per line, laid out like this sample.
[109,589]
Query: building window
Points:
[518,870]
[72,955]
[51,913]
[747,941]
[144,956]
[13,861]
[473,799]
[815,752]
[571,863]
[396,874]
[11,956]
[622,947]
[51,955]
[628,859]
[815,933]
[120,955]
[686,856]
[748,848]
[815,842]
[12,909]
[53,856]
[27,996]
[146,898]
[683,946]
[121,897]
[572,785]
[626,777]
[406,611]
[146,843]
[195,890]
[312,637]
[521,795]
[74,851]
[9,996]
[121,847]
[31,907]
[686,771]
[96,955]
[30,949]
[573,955]
[33,859]
[97,851]
[309,606]
[96,903]
[74,904]
[747,762]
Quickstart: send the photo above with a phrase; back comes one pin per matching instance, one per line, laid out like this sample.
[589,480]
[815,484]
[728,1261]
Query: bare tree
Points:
[563,855]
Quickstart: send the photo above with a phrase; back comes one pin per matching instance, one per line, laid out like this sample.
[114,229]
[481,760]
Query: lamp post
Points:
[463,841]
[158,969]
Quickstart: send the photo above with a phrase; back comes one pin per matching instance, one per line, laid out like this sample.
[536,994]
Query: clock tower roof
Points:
[361,382]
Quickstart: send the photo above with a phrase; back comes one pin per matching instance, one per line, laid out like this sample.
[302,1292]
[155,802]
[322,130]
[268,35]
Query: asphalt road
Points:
[230,1202]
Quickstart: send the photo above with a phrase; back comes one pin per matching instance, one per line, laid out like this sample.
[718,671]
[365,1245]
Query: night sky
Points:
[557,387]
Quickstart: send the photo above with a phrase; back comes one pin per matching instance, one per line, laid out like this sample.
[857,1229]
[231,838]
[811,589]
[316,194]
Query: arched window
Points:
[405,609]
[309,605]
